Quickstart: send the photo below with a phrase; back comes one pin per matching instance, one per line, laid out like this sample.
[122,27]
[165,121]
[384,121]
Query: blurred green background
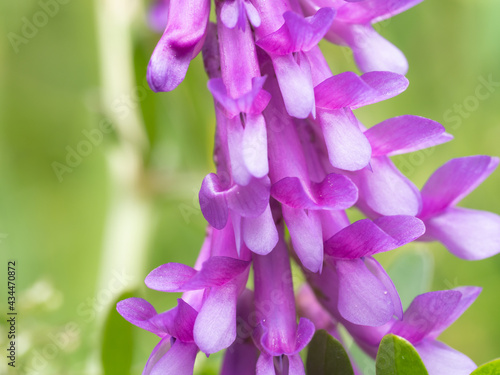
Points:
[83,234]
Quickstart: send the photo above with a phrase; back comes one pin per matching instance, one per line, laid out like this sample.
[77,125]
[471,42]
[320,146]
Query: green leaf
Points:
[396,356]
[117,342]
[327,356]
[490,368]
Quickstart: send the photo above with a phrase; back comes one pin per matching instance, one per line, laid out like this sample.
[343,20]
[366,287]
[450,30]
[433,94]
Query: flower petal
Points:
[295,84]
[139,312]
[454,180]
[379,272]
[305,332]
[440,359]
[298,33]
[170,277]
[307,240]
[350,90]
[362,298]
[469,295]
[158,352]
[366,237]
[402,134]
[372,10]
[178,322]
[255,146]
[186,28]
[371,51]
[215,327]
[384,190]
[213,202]
[250,200]
[427,312]
[469,234]
[265,365]
[259,233]
[217,271]
[295,365]
[348,148]
[335,192]
[179,360]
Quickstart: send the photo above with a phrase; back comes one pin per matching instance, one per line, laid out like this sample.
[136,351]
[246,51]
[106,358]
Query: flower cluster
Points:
[290,153]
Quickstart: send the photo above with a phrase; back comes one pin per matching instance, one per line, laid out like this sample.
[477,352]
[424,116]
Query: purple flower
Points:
[222,277]
[277,334]
[176,352]
[353,284]
[181,41]
[289,150]
[352,27]
[469,234]
[423,321]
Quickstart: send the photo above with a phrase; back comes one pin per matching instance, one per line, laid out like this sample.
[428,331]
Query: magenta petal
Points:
[469,295]
[399,135]
[469,234]
[158,352]
[372,11]
[379,272]
[250,200]
[340,91]
[260,233]
[306,33]
[229,14]
[217,271]
[372,52]
[186,28]
[385,190]
[240,358]
[305,332]
[170,277]
[178,322]
[335,192]
[139,312]
[298,33]
[362,298]
[366,237]
[307,240]
[295,365]
[386,84]
[265,365]
[213,202]
[427,312]
[252,14]
[255,146]
[295,84]
[215,327]
[440,359]
[252,102]
[179,360]
[348,147]
[454,180]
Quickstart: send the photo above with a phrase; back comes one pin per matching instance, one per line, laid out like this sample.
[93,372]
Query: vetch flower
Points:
[277,335]
[176,352]
[469,234]
[352,27]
